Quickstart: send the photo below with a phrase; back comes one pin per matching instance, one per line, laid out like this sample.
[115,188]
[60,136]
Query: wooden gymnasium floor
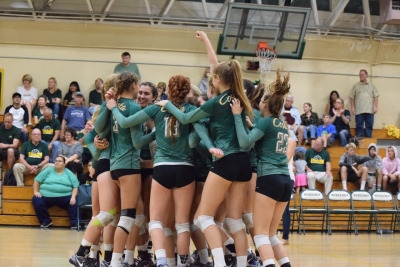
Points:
[34,247]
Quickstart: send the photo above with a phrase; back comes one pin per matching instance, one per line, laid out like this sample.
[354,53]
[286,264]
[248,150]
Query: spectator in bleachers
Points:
[55,186]
[39,109]
[293,120]
[69,97]
[71,150]
[331,104]
[33,158]
[126,65]
[310,121]
[319,166]
[374,165]
[327,131]
[161,87]
[29,95]
[20,116]
[9,140]
[391,168]
[349,171]
[76,115]
[50,128]
[95,98]
[340,118]
[203,85]
[54,96]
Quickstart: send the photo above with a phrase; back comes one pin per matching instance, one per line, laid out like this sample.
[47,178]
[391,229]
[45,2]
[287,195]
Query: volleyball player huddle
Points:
[221,126]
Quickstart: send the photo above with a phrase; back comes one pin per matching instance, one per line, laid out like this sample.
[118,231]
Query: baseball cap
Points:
[79,94]
[16,94]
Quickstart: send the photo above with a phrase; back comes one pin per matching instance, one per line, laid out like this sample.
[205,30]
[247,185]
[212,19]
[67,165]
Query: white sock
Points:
[172,262]
[116,259]
[241,261]
[268,262]
[362,185]
[129,256]
[344,183]
[161,256]
[219,260]
[93,252]
[203,255]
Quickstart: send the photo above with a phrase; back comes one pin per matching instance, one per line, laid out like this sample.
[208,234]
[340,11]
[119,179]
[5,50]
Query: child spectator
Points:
[300,163]
[391,168]
[327,131]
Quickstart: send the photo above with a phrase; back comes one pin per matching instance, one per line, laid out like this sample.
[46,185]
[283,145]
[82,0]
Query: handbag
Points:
[84,194]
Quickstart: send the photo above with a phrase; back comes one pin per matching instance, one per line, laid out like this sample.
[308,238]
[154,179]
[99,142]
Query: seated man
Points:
[327,131]
[9,140]
[292,117]
[33,158]
[391,168]
[374,165]
[75,116]
[20,116]
[348,163]
[50,128]
[319,166]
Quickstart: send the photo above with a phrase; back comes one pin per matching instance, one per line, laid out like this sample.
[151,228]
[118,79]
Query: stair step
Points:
[27,220]
[16,207]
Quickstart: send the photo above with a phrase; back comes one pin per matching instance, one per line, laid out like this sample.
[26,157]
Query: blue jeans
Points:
[42,204]
[54,150]
[368,119]
[312,130]
[344,135]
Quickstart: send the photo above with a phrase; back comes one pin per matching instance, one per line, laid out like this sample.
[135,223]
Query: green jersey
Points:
[7,136]
[271,136]
[316,161]
[171,152]
[36,112]
[49,128]
[34,154]
[221,121]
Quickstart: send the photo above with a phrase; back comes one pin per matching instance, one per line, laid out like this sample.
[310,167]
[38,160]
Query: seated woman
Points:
[161,87]
[29,95]
[71,150]
[54,96]
[55,186]
[39,109]
[330,105]
[348,163]
[340,118]
[310,122]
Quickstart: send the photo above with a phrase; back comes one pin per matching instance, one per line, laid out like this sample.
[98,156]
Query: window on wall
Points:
[356,7]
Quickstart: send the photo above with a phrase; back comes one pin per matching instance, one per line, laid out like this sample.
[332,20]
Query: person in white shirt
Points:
[29,95]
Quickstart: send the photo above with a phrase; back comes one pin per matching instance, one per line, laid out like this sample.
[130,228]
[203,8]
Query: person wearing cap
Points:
[29,95]
[76,115]
[20,116]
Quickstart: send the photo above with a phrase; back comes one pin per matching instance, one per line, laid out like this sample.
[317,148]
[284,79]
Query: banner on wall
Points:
[1,87]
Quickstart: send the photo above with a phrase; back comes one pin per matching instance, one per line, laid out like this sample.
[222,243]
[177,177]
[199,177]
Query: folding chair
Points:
[339,203]
[362,206]
[386,207]
[312,203]
[79,219]
[397,201]
[294,211]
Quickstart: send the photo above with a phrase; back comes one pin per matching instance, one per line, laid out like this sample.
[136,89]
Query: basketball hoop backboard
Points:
[282,27]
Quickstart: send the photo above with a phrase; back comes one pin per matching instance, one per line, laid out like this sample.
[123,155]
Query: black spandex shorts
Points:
[173,176]
[116,174]
[234,167]
[146,172]
[276,186]
[103,165]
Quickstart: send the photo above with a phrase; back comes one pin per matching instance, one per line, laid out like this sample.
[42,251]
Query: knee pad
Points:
[167,232]
[197,223]
[205,221]
[103,219]
[129,213]
[220,225]
[140,220]
[115,220]
[234,225]
[142,230]
[182,227]
[274,240]
[126,223]
[248,220]
[155,225]
[193,227]
[260,240]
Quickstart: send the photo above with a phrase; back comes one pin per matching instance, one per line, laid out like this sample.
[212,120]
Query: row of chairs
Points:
[378,210]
